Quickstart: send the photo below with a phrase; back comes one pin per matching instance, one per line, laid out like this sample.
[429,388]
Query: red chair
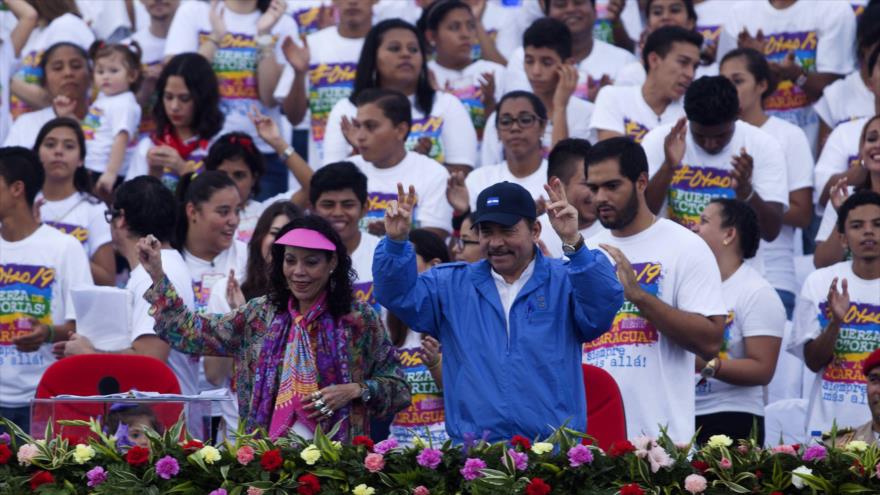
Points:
[606,418]
[101,374]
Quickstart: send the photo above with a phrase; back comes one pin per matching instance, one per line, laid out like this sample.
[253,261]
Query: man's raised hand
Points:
[398,214]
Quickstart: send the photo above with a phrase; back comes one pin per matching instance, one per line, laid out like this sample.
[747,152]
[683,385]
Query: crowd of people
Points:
[423,217]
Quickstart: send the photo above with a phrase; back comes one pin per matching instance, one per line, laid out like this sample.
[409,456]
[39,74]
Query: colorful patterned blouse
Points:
[242,334]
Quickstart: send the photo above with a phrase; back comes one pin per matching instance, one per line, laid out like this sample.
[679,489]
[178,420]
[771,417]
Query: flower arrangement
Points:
[560,464]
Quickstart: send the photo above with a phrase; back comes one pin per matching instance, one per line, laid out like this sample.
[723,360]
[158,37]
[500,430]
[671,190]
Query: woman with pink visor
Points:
[307,354]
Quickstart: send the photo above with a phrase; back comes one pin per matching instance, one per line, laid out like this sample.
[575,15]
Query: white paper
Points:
[103,315]
[214,394]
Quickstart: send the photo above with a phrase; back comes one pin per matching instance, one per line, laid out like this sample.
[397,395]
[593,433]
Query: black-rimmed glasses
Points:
[525,120]
[111,213]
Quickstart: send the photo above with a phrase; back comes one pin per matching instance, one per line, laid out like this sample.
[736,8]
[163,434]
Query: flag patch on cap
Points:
[493,201]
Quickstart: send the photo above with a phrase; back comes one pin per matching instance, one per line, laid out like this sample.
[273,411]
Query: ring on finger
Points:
[326,411]
[319,404]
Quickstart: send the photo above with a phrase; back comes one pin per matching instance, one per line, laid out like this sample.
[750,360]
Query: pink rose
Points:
[421,490]
[252,490]
[659,458]
[725,463]
[374,463]
[245,455]
[785,449]
[695,484]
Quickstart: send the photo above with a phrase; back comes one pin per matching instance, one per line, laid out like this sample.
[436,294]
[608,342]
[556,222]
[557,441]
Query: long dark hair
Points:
[81,181]
[196,190]
[367,75]
[201,82]
[256,279]
[339,296]
[237,146]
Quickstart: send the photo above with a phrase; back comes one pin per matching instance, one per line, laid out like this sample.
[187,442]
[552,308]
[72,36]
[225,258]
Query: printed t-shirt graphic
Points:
[634,130]
[704,387]
[328,83]
[307,19]
[843,378]
[788,99]
[362,263]
[425,415]
[429,127]
[25,292]
[692,188]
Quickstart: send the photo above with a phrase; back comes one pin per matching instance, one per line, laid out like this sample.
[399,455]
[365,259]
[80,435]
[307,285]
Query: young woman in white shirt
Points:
[729,395]
[67,200]
[187,117]
[394,57]
[451,30]
[749,71]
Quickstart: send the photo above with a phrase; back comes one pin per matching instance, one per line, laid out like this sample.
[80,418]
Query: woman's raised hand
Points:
[150,255]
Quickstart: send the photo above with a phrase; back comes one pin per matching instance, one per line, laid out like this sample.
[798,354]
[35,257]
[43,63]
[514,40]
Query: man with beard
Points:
[672,286]
[511,325]
[837,319]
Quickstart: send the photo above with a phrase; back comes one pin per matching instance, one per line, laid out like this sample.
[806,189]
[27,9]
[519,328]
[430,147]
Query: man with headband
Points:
[511,325]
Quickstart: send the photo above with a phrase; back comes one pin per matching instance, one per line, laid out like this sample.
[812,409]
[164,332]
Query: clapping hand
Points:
[563,216]
[743,164]
[593,86]
[271,16]
[398,214]
[674,144]
[632,291]
[487,93]
[297,56]
[215,18]
[149,251]
[234,295]
[457,192]
[746,40]
[349,130]
[838,302]
[839,193]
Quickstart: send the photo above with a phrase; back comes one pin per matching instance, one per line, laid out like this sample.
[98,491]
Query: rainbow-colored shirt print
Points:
[789,101]
[692,188]
[25,292]
[430,127]
[843,379]
[634,130]
[29,72]
[425,415]
[328,83]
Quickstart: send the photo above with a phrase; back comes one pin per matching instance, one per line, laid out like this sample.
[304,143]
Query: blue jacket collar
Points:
[481,275]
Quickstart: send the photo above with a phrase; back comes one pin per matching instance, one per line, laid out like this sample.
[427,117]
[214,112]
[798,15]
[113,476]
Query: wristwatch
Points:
[365,393]
[710,369]
[572,248]
[287,153]
[265,41]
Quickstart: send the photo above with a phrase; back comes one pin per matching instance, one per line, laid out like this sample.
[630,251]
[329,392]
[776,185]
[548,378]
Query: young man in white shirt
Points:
[837,320]
[38,267]
[672,286]
[711,154]
[384,120]
[566,162]
[671,56]
[338,193]
[321,71]
[597,62]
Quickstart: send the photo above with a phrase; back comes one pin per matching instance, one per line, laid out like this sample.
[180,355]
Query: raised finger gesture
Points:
[234,296]
[297,56]
[398,214]
[838,302]
[743,164]
[625,273]
[563,216]
[839,193]
[674,144]
[266,127]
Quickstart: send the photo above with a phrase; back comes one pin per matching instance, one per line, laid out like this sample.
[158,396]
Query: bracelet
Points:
[750,196]
[434,365]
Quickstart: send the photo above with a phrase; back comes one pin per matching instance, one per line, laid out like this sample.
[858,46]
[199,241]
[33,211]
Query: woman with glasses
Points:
[465,246]
[66,201]
[521,121]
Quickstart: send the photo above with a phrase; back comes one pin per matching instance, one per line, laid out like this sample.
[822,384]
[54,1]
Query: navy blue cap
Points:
[504,203]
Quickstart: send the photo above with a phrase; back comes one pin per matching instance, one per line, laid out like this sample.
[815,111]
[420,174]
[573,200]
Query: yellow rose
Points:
[83,453]
[336,445]
[542,447]
[310,454]
[209,454]
[717,441]
[857,446]
[418,442]
[363,489]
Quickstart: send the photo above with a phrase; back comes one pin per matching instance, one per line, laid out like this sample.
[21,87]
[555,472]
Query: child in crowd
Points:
[113,119]
[129,423]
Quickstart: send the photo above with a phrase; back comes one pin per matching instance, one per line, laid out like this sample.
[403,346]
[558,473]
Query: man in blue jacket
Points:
[511,325]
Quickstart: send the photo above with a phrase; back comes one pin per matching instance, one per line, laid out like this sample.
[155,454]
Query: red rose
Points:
[5,453]
[620,448]
[521,441]
[271,460]
[631,489]
[308,484]
[537,487]
[137,456]
[700,466]
[758,474]
[192,445]
[362,440]
[796,446]
[41,478]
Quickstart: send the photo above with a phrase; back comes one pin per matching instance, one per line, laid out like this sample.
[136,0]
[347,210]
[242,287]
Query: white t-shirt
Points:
[500,25]
[424,417]
[828,223]
[69,28]
[634,74]
[103,17]
[81,216]
[108,116]
[332,68]
[426,175]
[702,177]
[577,116]
[362,263]
[552,241]
[465,85]
[247,219]
[623,109]
[777,257]
[235,61]
[822,35]
[139,166]
[630,17]
[844,100]
[185,367]
[655,375]
[7,63]
[604,59]
[205,274]
[37,275]
[448,127]
[712,15]
[753,309]
[840,389]
[484,177]
[306,14]
[153,49]
[841,151]
[25,128]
